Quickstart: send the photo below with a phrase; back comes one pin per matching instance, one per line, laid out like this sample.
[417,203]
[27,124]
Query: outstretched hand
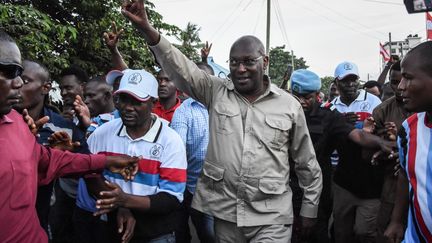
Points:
[112,38]
[125,165]
[62,141]
[34,126]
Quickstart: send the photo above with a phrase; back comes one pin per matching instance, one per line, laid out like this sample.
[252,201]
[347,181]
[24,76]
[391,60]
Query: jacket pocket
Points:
[272,195]
[226,115]
[276,131]
[213,178]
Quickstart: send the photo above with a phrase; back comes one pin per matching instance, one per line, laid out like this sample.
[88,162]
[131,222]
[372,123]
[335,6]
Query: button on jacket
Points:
[246,172]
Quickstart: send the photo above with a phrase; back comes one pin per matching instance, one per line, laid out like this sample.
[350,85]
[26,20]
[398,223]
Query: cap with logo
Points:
[346,68]
[304,81]
[139,83]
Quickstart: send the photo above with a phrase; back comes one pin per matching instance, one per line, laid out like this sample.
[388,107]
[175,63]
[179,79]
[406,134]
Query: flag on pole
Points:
[428,26]
[384,53]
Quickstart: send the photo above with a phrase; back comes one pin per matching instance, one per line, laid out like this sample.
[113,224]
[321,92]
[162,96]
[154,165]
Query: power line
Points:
[390,3]
[235,10]
[259,16]
[336,22]
[281,23]
[348,18]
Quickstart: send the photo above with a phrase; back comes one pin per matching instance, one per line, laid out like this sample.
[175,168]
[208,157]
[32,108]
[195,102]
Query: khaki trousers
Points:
[228,232]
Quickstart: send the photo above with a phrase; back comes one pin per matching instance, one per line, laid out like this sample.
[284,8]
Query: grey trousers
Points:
[228,232]
[354,218]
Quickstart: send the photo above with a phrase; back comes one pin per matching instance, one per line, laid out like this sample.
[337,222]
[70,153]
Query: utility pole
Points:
[268,28]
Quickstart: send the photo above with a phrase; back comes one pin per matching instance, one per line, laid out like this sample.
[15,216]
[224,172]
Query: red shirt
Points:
[24,164]
[159,110]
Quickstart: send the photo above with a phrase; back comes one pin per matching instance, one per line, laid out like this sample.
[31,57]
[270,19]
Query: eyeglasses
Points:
[11,70]
[248,62]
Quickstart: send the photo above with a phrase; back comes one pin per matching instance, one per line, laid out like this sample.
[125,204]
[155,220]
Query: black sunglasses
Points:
[11,70]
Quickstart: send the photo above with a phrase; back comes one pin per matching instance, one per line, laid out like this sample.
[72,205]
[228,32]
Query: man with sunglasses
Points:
[25,164]
[328,130]
[254,128]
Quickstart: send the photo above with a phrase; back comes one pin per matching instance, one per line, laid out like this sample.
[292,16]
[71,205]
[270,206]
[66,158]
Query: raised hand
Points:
[125,223]
[136,13]
[205,51]
[34,126]
[62,141]
[112,38]
[82,112]
[125,165]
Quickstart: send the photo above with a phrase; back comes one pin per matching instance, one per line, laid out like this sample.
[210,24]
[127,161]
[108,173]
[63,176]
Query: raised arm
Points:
[185,74]
[111,40]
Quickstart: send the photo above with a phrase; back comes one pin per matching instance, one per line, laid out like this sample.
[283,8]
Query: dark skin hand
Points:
[110,200]
[205,52]
[62,141]
[112,38]
[126,224]
[351,117]
[82,112]
[34,126]
[307,225]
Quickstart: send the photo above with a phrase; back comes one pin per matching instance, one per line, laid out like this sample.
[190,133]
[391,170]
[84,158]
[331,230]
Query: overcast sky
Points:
[324,32]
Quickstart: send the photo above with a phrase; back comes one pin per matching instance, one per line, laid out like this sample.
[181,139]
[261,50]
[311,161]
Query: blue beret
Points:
[304,81]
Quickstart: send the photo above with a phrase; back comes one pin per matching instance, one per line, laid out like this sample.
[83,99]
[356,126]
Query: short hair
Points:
[250,39]
[43,67]
[205,66]
[372,83]
[101,81]
[396,66]
[5,36]
[424,59]
[78,72]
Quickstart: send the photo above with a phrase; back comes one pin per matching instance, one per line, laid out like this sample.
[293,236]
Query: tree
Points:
[279,60]
[190,42]
[325,84]
[61,33]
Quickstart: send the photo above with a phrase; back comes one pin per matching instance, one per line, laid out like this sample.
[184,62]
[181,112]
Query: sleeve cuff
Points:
[309,211]
[97,162]
[163,44]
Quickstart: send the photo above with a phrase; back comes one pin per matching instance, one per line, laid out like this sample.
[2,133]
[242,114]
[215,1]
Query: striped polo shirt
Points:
[415,150]
[162,167]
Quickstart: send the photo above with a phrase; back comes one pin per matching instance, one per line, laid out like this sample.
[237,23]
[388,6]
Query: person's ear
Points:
[46,87]
[266,62]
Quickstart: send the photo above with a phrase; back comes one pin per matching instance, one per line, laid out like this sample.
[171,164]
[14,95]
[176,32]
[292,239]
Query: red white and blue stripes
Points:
[415,148]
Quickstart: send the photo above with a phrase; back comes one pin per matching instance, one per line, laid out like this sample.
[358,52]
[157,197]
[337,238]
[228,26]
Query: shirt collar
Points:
[152,134]
[173,108]
[361,97]
[271,88]
[5,119]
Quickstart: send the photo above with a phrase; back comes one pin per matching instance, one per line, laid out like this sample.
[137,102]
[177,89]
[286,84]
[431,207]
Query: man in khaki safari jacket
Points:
[255,128]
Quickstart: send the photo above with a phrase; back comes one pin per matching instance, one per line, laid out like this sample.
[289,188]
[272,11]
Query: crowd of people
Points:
[136,157]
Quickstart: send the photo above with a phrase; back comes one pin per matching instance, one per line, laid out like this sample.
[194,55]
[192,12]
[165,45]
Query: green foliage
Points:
[190,42]
[279,60]
[61,33]
[325,84]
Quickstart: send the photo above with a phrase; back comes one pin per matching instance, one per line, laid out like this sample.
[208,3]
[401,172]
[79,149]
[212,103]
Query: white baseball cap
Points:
[139,83]
[346,68]
[113,75]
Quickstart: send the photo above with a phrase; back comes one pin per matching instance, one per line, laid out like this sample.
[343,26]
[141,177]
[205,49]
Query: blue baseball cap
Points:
[304,81]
